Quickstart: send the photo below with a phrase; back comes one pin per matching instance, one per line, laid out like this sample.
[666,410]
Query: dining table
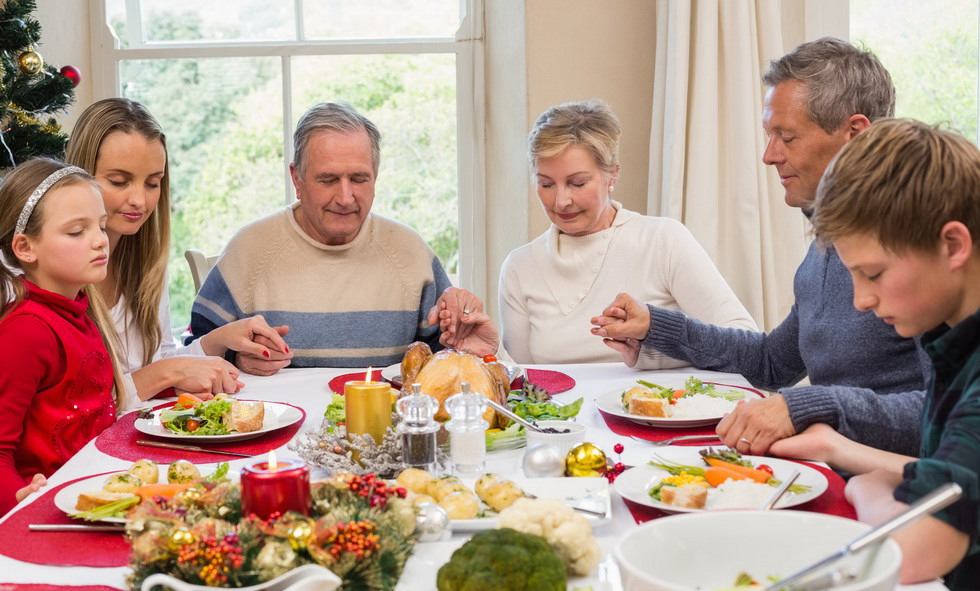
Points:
[95,561]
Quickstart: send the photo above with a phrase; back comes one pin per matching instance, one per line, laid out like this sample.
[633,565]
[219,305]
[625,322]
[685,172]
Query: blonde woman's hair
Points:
[900,182]
[590,124]
[138,263]
[15,189]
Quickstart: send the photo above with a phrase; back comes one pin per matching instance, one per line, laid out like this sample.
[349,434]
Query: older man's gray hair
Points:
[340,117]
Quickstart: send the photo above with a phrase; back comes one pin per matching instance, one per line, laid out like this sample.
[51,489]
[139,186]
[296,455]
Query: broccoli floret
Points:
[503,560]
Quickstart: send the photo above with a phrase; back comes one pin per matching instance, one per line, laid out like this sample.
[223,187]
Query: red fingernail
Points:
[287,348]
[265,354]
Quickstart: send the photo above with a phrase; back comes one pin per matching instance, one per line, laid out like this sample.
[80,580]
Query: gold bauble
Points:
[181,537]
[300,534]
[30,62]
[585,459]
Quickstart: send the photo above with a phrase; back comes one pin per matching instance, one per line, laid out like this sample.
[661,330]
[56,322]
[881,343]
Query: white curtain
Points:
[707,142]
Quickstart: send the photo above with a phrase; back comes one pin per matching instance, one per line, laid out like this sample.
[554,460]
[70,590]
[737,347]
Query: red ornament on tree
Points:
[72,73]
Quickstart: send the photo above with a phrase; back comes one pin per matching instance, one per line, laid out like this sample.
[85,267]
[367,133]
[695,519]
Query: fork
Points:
[678,439]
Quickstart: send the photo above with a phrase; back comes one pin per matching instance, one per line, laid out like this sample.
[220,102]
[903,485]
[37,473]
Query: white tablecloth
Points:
[308,389]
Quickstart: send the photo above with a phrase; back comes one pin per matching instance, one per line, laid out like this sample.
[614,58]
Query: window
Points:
[228,79]
[931,50]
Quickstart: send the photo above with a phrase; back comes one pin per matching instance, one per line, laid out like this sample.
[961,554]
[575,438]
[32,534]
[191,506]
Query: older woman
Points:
[595,248]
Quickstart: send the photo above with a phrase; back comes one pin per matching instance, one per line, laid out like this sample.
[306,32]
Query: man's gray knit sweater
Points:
[866,381]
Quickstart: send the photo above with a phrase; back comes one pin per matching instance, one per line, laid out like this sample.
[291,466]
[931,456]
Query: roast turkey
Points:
[441,375]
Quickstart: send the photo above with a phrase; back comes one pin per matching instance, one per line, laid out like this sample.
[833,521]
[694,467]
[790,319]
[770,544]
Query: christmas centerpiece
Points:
[359,527]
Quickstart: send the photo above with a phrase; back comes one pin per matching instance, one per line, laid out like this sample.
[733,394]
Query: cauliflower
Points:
[568,532]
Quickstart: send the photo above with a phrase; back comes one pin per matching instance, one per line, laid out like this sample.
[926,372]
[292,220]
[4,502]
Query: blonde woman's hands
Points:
[252,336]
[35,485]
[270,361]
[202,376]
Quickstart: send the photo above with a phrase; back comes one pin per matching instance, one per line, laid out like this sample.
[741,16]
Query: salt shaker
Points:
[467,431]
[418,429]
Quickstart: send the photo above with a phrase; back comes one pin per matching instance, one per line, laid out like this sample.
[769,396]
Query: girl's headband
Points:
[54,177]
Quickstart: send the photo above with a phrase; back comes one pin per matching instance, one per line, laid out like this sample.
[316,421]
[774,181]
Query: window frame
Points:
[467,45]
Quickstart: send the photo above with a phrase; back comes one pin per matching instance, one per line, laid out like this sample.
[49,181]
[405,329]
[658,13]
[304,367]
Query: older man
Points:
[866,381]
[346,287]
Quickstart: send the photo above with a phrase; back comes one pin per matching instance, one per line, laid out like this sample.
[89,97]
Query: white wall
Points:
[65,41]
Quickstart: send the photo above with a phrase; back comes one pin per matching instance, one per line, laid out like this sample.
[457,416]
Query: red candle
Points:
[275,487]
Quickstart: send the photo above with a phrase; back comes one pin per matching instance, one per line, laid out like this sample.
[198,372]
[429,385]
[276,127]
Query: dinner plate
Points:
[585,492]
[611,403]
[277,416]
[635,484]
[393,373]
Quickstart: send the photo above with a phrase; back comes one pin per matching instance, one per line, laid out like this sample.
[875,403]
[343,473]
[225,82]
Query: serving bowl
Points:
[707,551]
[574,434]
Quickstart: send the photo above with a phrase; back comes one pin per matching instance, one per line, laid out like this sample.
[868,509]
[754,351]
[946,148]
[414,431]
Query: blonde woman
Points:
[120,143]
[551,288]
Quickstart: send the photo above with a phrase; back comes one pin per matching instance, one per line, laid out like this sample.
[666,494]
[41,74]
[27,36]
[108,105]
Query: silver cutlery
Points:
[778,494]
[678,439]
[507,412]
[601,514]
[190,448]
[75,527]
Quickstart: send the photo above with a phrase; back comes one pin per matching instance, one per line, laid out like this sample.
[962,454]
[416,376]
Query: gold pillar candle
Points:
[368,409]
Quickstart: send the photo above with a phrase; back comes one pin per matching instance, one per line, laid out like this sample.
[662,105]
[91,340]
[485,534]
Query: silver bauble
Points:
[543,460]
[432,522]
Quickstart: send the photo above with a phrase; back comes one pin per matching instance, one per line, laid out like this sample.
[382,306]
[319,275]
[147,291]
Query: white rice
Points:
[742,494]
[700,406]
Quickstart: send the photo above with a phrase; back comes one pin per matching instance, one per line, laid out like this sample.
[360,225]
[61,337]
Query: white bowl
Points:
[708,550]
[563,441]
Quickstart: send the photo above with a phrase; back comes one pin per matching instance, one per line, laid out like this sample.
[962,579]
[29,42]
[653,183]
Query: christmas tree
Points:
[29,89]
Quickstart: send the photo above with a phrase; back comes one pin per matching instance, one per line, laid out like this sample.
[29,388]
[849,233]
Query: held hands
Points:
[204,376]
[251,335]
[753,426]
[273,355]
[818,442]
[462,323]
[622,325]
[36,483]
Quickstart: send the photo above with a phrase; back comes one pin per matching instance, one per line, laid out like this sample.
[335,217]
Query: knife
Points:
[74,527]
[190,448]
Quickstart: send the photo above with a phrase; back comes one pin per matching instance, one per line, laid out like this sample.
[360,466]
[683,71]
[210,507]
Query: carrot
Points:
[188,400]
[717,475]
[747,473]
[677,395]
[148,491]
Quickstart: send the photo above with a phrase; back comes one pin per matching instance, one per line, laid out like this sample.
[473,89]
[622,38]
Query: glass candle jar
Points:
[467,431]
[418,429]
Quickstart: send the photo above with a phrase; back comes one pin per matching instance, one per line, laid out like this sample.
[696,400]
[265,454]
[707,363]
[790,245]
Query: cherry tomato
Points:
[765,468]
[192,424]
[489,358]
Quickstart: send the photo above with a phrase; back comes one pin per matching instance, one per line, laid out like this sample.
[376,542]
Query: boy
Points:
[901,205]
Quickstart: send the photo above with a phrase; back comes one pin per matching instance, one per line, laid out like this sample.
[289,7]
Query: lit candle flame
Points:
[272,464]
[368,377]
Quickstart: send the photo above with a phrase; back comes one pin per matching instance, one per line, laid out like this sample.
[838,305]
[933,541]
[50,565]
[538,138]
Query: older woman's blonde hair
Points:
[899,182]
[138,263]
[590,124]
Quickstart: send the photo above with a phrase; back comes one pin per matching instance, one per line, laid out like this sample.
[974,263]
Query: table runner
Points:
[119,441]
[100,549]
[48,586]
[552,381]
[831,502]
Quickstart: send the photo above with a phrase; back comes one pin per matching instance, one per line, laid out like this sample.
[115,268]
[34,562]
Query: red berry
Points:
[618,448]
[619,467]
[611,476]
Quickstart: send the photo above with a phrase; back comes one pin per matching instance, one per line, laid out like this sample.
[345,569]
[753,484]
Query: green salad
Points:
[206,418]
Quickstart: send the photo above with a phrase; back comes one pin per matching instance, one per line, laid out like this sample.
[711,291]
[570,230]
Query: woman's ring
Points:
[745,440]
[466,311]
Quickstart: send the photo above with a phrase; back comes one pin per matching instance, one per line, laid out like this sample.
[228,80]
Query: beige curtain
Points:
[707,141]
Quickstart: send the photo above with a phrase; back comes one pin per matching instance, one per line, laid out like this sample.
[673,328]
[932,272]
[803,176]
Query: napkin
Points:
[98,549]
[119,441]
[831,502]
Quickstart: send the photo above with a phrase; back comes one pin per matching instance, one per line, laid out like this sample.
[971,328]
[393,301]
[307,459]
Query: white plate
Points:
[67,498]
[277,416]
[393,373]
[635,483]
[588,493]
[612,403]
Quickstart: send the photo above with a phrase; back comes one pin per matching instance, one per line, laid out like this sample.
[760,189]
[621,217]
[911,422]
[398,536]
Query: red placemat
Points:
[831,502]
[628,428]
[99,549]
[48,586]
[554,382]
[337,384]
[119,441]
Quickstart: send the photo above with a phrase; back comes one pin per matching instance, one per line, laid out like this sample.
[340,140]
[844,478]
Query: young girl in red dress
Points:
[56,374]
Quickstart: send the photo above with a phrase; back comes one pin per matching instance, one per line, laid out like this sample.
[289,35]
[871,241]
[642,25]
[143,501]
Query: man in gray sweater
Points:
[866,381]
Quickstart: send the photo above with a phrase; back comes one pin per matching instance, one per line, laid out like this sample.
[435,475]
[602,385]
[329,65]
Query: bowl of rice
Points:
[708,551]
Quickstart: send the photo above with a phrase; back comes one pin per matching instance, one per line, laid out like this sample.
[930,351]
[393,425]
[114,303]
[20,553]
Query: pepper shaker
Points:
[467,431]
[418,429]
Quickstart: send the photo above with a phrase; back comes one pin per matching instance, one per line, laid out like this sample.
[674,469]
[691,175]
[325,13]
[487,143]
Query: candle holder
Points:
[368,409]
[285,488]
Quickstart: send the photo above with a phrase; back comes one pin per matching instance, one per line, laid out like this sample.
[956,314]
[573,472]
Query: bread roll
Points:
[246,416]
[648,407]
[693,496]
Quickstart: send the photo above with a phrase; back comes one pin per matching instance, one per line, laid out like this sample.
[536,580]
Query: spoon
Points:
[778,494]
[938,499]
[507,412]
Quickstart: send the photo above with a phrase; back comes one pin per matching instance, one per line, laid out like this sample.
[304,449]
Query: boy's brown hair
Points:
[899,182]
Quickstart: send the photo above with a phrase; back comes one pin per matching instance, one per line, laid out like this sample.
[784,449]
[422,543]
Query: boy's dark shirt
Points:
[951,438]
